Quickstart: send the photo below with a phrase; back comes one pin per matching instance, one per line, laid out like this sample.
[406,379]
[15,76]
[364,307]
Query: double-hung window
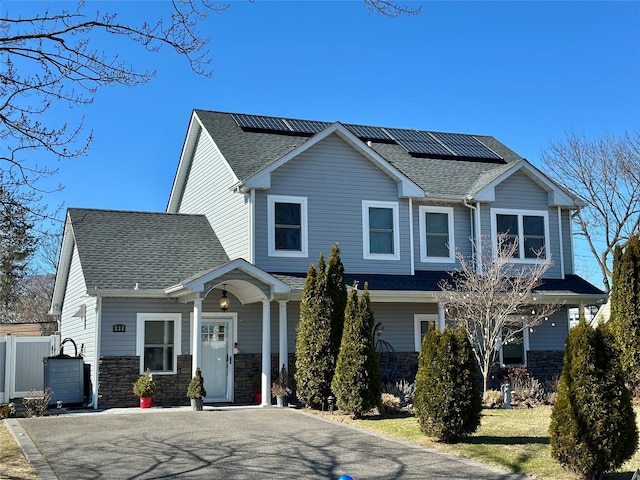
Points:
[158,341]
[380,230]
[287,217]
[436,234]
[530,229]
[421,324]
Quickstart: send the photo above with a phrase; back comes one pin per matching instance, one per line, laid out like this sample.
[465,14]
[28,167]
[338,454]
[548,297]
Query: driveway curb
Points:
[31,452]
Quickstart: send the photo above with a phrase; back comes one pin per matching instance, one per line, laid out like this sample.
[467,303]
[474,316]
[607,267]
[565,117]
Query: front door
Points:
[217,358]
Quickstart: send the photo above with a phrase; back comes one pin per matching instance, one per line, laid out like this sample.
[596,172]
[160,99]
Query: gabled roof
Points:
[122,250]
[251,153]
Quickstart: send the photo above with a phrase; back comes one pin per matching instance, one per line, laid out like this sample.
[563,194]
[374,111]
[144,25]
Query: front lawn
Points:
[515,440]
[13,464]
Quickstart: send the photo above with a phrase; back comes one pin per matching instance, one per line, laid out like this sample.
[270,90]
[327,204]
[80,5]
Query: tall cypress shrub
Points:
[320,329]
[625,308]
[357,383]
[593,427]
[447,396]
[311,340]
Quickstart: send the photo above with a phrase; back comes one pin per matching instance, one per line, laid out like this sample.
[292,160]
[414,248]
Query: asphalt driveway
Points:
[256,443]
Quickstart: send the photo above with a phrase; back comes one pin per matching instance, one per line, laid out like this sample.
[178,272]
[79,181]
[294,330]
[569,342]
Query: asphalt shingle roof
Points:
[248,152]
[155,250]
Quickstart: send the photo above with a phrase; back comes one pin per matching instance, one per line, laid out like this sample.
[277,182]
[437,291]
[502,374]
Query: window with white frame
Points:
[530,229]
[421,324]
[436,234]
[158,341]
[380,230]
[513,352]
[287,217]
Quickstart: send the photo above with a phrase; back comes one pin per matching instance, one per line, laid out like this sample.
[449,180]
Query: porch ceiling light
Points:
[224,300]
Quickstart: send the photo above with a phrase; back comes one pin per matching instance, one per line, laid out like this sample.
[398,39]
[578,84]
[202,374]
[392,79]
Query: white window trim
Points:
[418,318]
[302,201]
[423,234]
[521,213]
[177,337]
[525,349]
[366,253]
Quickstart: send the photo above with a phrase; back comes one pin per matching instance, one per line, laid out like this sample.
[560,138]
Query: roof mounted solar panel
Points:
[259,122]
[306,126]
[419,142]
[364,132]
[466,145]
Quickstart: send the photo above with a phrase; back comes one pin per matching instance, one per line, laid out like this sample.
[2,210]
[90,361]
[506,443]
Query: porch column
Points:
[284,353]
[441,323]
[266,353]
[196,351]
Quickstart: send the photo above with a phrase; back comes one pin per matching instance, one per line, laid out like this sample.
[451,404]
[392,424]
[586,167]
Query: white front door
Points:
[217,338]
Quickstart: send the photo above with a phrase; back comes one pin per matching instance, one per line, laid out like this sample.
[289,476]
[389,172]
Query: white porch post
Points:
[284,353]
[441,322]
[196,351]
[266,353]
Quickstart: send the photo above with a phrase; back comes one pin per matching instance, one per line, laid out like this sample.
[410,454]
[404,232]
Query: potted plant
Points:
[145,388]
[256,382]
[196,391]
[280,388]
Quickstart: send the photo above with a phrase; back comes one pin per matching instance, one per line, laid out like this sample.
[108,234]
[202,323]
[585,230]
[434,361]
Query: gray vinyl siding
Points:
[461,236]
[81,330]
[552,333]
[567,242]
[519,192]
[125,311]
[335,179]
[208,192]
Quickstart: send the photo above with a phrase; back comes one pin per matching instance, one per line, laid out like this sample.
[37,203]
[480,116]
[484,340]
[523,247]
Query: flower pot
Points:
[146,402]
[281,401]
[257,397]
[196,404]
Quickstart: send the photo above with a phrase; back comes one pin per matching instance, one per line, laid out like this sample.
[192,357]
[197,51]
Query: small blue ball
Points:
[344,477]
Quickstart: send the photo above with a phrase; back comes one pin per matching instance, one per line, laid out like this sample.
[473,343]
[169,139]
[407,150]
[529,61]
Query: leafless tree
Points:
[496,305]
[605,172]
[35,299]
[51,59]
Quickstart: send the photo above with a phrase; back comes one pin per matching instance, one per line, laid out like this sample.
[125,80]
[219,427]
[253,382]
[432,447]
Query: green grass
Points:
[515,440]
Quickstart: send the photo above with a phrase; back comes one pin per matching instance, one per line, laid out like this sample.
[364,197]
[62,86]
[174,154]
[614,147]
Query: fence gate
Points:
[21,366]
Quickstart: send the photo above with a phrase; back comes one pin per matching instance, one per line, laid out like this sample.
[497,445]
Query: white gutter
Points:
[411,247]
[475,231]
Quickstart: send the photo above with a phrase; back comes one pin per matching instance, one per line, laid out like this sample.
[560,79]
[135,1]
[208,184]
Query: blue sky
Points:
[523,72]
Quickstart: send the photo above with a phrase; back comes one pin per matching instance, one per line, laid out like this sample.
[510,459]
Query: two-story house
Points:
[216,280]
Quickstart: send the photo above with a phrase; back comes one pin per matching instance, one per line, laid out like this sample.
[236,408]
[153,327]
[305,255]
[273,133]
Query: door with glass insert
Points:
[217,359]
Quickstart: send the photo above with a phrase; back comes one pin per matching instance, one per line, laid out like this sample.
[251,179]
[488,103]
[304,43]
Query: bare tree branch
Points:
[498,304]
[604,172]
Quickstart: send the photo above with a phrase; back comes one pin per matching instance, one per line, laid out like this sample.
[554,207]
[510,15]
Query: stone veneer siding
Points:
[116,376]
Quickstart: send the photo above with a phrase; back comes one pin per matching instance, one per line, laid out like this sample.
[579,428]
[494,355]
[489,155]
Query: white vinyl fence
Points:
[21,364]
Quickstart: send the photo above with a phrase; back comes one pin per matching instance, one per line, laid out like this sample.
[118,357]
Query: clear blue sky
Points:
[523,72]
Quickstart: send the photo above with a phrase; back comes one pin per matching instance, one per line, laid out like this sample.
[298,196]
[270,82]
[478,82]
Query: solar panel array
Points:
[416,142]
[466,145]
[420,142]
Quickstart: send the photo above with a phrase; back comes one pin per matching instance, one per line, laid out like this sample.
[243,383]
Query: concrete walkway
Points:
[249,443]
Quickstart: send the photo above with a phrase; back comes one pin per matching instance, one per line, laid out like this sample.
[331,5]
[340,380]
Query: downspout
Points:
[560,234]
[411,247]
[475,228]
[98,336]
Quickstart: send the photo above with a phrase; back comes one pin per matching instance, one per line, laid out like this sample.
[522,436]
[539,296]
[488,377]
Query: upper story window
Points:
[287,217]
[436,234]
[380,230]
[530,229]
[158,341]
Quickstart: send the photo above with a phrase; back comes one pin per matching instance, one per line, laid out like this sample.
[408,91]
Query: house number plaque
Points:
[119,328]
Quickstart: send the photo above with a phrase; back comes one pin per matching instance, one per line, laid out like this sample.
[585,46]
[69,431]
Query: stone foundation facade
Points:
[116,376]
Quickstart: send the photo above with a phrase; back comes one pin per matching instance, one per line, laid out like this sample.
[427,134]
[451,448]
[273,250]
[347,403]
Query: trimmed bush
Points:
[447,397]
[357,383]
[593,428]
